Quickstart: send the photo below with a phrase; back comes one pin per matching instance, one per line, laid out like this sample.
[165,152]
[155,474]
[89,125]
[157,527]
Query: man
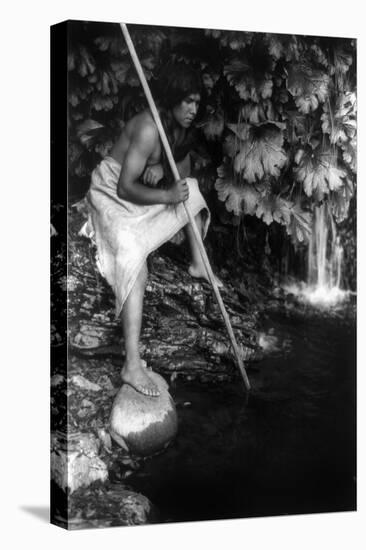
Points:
[132,214]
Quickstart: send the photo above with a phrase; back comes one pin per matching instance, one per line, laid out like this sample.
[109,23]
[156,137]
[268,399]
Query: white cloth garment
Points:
[126,233]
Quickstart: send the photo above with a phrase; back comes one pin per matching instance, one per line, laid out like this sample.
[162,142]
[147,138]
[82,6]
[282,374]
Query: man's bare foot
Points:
[135,374]
[201,273]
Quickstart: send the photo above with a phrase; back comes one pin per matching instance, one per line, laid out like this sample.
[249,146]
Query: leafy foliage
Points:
[251,74]
[339,121]
[261,201]
[213,123]
[278,121]
[308,86]
[318,172]
[261,154]
[239,198]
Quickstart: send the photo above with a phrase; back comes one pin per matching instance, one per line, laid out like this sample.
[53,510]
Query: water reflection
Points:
[286,447]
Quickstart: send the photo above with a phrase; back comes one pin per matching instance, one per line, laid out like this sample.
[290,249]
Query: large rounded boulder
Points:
[143,425]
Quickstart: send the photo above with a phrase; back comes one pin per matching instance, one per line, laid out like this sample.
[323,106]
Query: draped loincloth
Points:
[126,233]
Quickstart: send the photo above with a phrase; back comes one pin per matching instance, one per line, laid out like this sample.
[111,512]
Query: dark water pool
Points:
[290,447]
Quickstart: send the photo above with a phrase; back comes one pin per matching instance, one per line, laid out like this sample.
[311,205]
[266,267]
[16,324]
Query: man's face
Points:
[186,111]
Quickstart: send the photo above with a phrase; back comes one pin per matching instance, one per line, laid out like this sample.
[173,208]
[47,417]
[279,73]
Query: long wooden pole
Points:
[191,219]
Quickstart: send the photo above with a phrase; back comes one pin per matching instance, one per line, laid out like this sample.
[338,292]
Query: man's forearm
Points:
[141,194]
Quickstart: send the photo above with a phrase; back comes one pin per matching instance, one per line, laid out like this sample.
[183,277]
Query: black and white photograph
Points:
[203,275]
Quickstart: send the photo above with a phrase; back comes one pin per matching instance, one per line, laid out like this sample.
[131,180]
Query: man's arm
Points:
[141,147]
[154,173]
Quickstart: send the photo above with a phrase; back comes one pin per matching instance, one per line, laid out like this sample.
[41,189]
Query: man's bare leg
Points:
[133,373]
[197,268]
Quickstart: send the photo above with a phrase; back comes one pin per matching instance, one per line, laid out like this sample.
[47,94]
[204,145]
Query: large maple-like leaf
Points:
[100,103]
[282,45]
[249,88]
[73,99]
[298,126]
[319,55]
[239,198]
[256,113]
[115,44]
[209,79]
[232,142]
[241,130]
[342,60]
[299,227]
[231,145]
[75,150]
[318,172]
[251,83]
[339,202]
[339,119]
[242,198]
[213,123]
[88,130]
[350,154]
[261,154]
[120,69]
[273,208]
[151,40]
[308,86]
[276,46]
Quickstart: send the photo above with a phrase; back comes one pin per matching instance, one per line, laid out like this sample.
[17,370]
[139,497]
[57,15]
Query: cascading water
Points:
[325,260]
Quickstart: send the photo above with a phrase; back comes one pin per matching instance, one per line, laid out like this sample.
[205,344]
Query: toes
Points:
[149,392]
[143,390]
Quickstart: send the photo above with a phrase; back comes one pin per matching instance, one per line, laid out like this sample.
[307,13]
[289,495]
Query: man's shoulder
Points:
[143,123]
[142,132]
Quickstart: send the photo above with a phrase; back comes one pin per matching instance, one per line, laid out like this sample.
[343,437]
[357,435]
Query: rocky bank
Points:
[183,337]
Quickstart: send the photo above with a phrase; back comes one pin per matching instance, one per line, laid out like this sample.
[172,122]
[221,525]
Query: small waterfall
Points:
[325,261]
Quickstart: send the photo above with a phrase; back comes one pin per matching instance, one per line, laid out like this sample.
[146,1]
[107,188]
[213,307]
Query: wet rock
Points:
[105,439]
[72,283]
[92,335]
[176,310]
[143,425]
[216,344]
[105,382]
[115,505]
[135,508]
[84,384]
[87,408]
[75,462]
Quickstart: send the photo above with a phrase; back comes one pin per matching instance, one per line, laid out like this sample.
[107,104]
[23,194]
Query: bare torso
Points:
[120,148]
[138,151]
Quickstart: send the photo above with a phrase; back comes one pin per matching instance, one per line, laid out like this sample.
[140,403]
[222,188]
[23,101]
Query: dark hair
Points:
[176,82]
